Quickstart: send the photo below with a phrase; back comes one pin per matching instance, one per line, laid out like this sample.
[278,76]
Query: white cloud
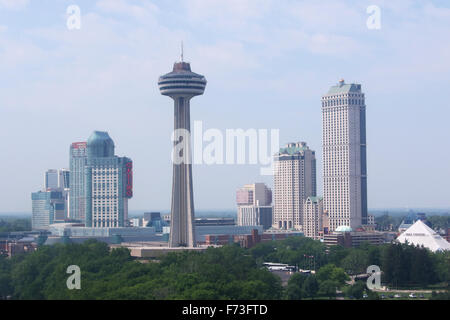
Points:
[143,12]
[14,4]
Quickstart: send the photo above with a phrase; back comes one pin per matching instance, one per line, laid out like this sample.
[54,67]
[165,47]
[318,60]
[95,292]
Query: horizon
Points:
[260,75]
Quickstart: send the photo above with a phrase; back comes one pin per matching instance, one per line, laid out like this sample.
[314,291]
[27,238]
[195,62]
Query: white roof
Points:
[421,234]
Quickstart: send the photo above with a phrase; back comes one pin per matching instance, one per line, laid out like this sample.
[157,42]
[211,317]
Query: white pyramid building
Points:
[421,234]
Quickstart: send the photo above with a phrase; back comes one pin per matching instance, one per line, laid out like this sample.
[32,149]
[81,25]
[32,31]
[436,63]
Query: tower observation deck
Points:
[182,85]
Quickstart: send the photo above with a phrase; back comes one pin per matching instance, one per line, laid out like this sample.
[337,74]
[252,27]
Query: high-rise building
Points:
[47,207]
[254,203]
[56,179]
[313,217]
[77,201]
[182,85]
[344,155]
[294,182]
[51,179]
[108,183]
[64,178]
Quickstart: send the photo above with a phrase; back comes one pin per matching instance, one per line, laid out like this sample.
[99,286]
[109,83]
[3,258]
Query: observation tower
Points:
[182,85]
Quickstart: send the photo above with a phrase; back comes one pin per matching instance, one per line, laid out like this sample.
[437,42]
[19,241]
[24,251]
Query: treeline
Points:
[402,265]
[14,224]
[229,272]
[223,273]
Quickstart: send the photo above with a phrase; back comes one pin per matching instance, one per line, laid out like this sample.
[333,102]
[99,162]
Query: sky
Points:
[267,62]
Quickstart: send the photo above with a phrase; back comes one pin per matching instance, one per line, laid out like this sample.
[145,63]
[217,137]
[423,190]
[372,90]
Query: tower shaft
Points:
[182,231]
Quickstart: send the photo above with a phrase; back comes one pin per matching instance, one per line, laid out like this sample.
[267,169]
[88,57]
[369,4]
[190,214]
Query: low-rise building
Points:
[346,237]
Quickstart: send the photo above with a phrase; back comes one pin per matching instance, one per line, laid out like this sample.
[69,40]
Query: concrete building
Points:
[47,207]
[254,205]
[294,182]
[313,217]
[77,201]
[248,240]
[108,184]
[346,237]
[344,155]
[182,85]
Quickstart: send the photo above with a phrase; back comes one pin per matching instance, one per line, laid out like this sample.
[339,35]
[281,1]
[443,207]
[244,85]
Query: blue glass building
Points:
[48,207]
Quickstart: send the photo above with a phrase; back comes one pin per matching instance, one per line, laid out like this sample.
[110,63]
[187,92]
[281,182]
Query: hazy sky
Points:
[267,64]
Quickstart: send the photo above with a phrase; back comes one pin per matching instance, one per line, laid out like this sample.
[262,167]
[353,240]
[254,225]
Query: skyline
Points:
[47,67]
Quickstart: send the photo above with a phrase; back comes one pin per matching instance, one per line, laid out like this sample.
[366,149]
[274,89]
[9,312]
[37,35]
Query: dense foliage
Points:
[229,272]
[224,273]
[14,224]
[439,222]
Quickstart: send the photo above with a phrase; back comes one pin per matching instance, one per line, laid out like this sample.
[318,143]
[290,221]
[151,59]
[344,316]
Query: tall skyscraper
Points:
[64,178]
[51,179]
[344,155]
[182,85]
[254,202]
[47,207]
[108,183]
[294,181]
[77,201]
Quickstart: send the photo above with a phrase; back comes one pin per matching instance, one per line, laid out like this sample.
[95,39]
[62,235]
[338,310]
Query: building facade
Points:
[77,201]
[344,155]
[108,184]
[346,237]
[313,218]
[48,207]
[51,179]
[294,182]
[254,205]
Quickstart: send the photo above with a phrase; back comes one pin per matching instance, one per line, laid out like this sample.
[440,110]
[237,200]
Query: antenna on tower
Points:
[182,52]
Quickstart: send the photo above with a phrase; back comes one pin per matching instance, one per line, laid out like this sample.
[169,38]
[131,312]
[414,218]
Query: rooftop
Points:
[343,87]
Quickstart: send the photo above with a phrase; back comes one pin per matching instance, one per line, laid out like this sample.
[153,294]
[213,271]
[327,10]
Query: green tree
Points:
[356,290]
[356,262]
[310,286]
[328,288]
[295,287]
[333,273]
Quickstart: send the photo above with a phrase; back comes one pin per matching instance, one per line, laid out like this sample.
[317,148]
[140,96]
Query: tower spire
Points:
[182,52]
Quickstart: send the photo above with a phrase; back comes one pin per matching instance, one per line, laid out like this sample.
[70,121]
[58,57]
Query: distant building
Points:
[295,181]
[346,237]
[313,217]
[214,222]
[77,201]
[64,178]
[108,183]
[254,205]
[76,233]
[344,155]
[47,208]
[410,219]
[371,219]
[135,222]
[58,180]
[51,179]
[249,239]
